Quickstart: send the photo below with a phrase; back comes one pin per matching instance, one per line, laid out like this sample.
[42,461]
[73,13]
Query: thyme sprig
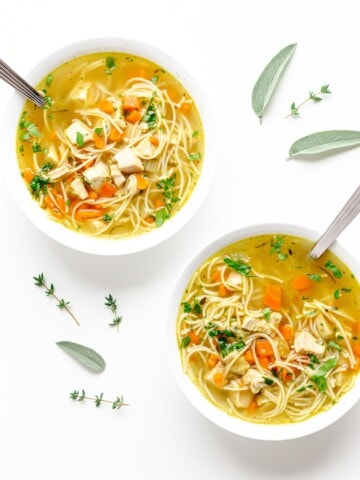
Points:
[50,291]
[98,399]
[324,90]
[112,304]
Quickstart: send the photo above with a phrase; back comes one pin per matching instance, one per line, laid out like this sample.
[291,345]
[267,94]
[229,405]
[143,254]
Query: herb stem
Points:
[312,96]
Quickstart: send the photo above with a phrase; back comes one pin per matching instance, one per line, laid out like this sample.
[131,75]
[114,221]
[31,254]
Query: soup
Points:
[268,334]
[117,149]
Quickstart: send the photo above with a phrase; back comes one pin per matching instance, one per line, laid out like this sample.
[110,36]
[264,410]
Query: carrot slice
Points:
[107,190]
[249,357]
[251,409]
[263,347]
[212,360]
[219,379]
[273,294]
[28,175]
[301,283]
[87,213]
[194,338]
[131,103]
[99,141]
[223,291]
[133,116]
[106,106]
[142,182]
[286,331]
[115,135]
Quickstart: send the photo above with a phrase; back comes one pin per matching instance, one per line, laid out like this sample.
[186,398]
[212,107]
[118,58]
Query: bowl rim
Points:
[191,392]
[83,242]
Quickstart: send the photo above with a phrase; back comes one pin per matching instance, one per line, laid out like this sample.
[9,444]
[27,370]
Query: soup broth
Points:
[268,334]
[117,149]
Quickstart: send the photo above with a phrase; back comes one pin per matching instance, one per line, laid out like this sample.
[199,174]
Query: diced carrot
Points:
[115,135]
[356,348]
[263,347]
[216,276]
[107,190]
[223,291]
[106,106]
[194,338]
[219,379]
[154,140]
[48,202]
[273,294]
[301,283]
[249,357]
[84,213]
[285,375]
[252,407]
[99,141]
[141,181]
[131,103]
[28,175]
[286,331]
[133,116]
[93,195]
[159,202]
[212,360]
[264,361]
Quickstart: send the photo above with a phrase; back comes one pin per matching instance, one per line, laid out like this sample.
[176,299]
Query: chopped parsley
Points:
[276,244]
[49,79]
[167,186]
[47,167]
[110,65]
[48,101]
[80,139]
[160,216]
[107,218]
[319,378]
[238,266]
[267,313]
[314,277]
[195,133]
[36,147]
[155,79]
[194,308]
[226,348]
[38,184]
[195,156]
[150,114]
[99,131]
[28,129]
[313,358]
[333,268]
[185,341]
[337,294]
[304,387]
[268,381]
[334,345]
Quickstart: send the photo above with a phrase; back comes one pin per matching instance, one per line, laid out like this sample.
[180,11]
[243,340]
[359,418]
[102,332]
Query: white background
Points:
[44,434]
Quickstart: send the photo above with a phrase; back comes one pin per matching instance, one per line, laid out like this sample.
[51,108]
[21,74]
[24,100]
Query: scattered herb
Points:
[99,131]
[314,277]
[240,267]
[337,294]
[40,282]
[312,96]
[150,114]
[323,142]
[36,147]
[195,156]
[304,387]
[47,167]
[268,381]
[38,185]
[48,101]
[110,65]
[195,133]
[80,139]
[226,348]
[333,268]
[269,78]
[160,216]
[49,79]
[155,79]
[346,290]
[313,358]
[107,218]
[334,345]
[194,308]
[339,337]
[185,341]
[276,244]
[167,186]
[267,313]
[85,355]
[112,304]
[98,399]
[319,378]
[28,129]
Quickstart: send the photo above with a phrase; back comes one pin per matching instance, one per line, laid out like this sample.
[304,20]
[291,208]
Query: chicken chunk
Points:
[79,189]
[252,324]
[275,318]
[234,279]
[77,127]
[128,161]
[96,175]
[116,175]
[255,380]
[241,399]
[82,93]
[145,149]
[239,366]
[305,342]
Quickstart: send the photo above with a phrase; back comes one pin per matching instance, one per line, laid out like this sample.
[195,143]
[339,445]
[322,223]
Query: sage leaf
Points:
[85,355]
[269,78]
[321,142]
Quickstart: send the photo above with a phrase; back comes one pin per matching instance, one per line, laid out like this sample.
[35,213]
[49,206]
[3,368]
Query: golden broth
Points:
[268,334]
[118,148]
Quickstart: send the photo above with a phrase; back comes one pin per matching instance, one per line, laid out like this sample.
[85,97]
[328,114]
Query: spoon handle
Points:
[344,217]
[21,85]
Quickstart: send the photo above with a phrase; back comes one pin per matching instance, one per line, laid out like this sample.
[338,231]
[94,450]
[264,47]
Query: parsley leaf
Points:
[267,313]
[333,268]
[276,244]
[314,276]
[185,341]
[238,266]
[80,139]
[195,156]
[110,65]
[38,184]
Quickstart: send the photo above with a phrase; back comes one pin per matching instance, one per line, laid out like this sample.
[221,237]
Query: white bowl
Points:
[83,242]
[204,406]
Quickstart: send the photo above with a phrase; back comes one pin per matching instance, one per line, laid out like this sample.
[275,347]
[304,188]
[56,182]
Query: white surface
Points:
[225,44]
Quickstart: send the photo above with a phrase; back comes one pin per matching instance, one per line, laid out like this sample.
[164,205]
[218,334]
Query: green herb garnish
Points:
[314,277]
[240,267]
[195,156]
[107,218]
[38,185]
[268,381]
[150,114]
[50,291]
[334,345]
[49,79]
[194,308]
[112,304]
[80,139]
[185,341]
[333,268]
[314,97]
[110,65]
[267,313]
[36,147]
[28,129]
[98,399]
[276,244]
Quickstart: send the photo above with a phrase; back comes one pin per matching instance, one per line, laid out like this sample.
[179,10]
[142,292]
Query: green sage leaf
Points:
[85,355]
[320,142]
[269,78]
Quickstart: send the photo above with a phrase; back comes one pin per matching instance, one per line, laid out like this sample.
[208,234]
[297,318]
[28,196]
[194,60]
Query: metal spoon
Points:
[342,220]
[21,85]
